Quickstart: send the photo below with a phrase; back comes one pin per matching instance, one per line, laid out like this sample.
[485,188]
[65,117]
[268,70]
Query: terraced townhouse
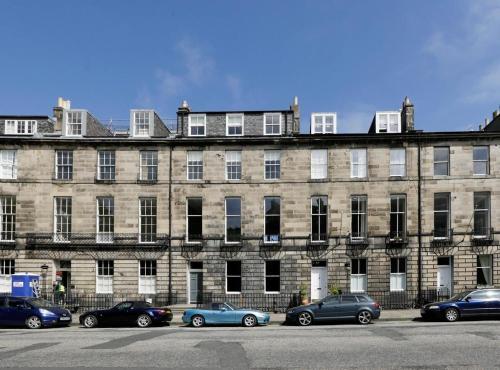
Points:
[243,203]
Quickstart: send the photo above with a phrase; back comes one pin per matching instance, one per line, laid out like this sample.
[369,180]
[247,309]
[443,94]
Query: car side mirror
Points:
[223,309]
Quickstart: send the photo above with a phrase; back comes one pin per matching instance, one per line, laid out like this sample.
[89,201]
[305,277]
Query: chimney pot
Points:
[295,100]
[496,113]
[185,104]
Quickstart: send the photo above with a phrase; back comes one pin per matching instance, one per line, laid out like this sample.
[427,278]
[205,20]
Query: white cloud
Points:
[197,63]
[470,50]
[234,85]
[169,83]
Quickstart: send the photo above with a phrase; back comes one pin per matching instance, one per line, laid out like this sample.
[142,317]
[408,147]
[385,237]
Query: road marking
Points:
[484,334]
[125,341]
[231,355]
[33,347]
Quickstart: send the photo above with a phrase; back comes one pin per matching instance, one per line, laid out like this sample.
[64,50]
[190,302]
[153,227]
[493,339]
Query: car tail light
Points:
[376,305]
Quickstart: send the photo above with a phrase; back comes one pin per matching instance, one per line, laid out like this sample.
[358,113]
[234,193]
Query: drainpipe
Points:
[419,198]
[170,225]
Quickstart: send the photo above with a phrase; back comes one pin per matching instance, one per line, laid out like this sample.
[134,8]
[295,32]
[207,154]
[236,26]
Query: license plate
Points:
[65,318]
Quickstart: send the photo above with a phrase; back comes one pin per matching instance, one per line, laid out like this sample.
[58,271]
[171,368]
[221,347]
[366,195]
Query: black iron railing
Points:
[357,239]
[482,236]
[442,237]
[100,240]
[396,239]
[408,298]
[76,302]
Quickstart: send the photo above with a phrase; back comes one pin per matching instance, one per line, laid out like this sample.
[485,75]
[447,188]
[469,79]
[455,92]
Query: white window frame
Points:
[266,291]
[150,162]
[401,229]
[447,162]
[395,162]
[489,268]
[387,114]
[240,276]
[150,219]
[233,159]
[7,269]
[272,215]
[359,278]
[487,161]
[319,215]
[265,124]
[107,220]
[241,124]
[319,164]
[362,164]
[227,216]
[274,159]
[481,210]
[8,218]
[8,164]
[143,128]
[108,161]
[104,282]
[196,215]
[72,123]
[362,223]
[147,281]
[63,218]
[448,213]
[323,116]
[66,164]
[398,279]
[21,127]
[194,164]
[192,124]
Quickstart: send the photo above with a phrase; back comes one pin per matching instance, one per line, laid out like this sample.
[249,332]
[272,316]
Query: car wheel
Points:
[197,321]
[249,321]
[144,320]
[90,321]
[451,314]
[304,318]
[33,322]
[364,317]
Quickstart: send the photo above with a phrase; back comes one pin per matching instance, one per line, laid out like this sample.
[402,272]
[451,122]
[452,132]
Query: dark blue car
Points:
[33,313]
[471,303]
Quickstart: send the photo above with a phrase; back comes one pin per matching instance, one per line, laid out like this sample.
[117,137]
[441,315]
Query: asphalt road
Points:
[416,345]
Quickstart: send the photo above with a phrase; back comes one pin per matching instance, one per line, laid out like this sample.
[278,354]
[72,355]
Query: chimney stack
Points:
[59,112]
[296,116]
[408,115]
[182,113]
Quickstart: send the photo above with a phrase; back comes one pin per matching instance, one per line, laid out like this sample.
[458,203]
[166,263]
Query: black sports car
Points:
[138,313]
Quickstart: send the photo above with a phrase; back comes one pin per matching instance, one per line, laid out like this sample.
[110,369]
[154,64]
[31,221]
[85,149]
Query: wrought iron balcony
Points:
[107,241]
[357,239]
[273,240]
[442,237]
[318,239]
[397,239]
[193,240]
[483,236]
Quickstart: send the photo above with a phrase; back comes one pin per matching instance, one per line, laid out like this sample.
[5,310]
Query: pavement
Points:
[381,345]
[279,318]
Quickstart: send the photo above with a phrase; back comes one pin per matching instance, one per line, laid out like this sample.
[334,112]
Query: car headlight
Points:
[45,312]
[434,307]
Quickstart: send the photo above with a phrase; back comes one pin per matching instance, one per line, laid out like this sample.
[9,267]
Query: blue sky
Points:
[351,57]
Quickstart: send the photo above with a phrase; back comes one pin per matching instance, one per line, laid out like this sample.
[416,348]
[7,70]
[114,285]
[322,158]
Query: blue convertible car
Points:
[224,313]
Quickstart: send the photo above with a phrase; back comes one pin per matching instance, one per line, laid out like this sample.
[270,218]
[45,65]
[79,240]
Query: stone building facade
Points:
[243,203]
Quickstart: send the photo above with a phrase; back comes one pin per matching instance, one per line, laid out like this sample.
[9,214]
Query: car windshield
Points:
[460,296]
[231,307]
[41,303]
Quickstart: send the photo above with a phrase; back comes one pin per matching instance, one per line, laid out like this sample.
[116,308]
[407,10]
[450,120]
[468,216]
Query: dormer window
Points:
[234,124]
[74,123]
[272,123]
[388,122]
[197,124]
[324,123]
[141,123]
[20,127]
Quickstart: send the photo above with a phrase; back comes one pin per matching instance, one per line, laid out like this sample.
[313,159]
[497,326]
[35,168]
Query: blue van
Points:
[33,313]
